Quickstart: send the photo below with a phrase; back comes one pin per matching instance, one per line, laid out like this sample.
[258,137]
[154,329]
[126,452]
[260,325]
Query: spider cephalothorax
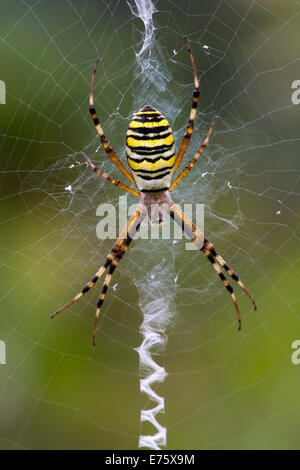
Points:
[153,165]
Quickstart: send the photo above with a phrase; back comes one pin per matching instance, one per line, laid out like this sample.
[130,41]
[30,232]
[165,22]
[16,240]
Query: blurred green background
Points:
[225,389]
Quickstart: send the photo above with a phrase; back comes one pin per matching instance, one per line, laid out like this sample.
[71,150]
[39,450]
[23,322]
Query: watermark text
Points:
[295,97]
[2,352]
[2,92]
[295,358]
[157,223]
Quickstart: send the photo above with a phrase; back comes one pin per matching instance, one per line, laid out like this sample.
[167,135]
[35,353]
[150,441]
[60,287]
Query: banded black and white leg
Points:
[188,134]
[111,179]
[113,265]
[130,230]
[194,234]
[188,167]
[100,132]
[225,266]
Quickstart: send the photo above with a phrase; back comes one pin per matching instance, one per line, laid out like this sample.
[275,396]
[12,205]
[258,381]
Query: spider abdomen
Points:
[150,150]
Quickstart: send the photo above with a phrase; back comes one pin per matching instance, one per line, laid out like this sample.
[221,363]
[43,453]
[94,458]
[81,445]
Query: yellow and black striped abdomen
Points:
[150,150]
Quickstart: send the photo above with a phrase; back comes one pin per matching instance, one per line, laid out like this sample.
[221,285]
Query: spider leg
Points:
[115,250]
[117,183]
[103,139]
[193,161]
[209,250]
[187,136]
[111,269]
[86,288]
[225,282]
[231,273]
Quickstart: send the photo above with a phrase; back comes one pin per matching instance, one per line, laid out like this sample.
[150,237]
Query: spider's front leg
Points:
[188,134]
[209,250]
[99,129]
[112,180]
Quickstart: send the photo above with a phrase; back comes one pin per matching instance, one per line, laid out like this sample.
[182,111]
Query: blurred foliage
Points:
[225,389]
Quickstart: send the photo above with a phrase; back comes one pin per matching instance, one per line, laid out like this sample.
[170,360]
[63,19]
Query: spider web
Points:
[223,389]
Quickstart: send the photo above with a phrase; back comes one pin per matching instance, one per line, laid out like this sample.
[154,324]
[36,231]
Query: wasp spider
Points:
[153,163]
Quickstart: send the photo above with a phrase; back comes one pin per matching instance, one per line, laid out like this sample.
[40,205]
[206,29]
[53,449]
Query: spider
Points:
[152,161]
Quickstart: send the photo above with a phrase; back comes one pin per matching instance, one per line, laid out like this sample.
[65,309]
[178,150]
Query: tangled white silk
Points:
[154,339]
[156,302]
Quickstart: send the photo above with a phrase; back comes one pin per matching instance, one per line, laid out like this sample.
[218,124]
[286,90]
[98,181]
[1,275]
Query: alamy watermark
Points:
[295,357]
[2,92]
[2,352]
[295,97]
[156,225]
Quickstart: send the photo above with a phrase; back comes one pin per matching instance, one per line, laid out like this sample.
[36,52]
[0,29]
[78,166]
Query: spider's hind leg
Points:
[130,228]
[231,273]
[113,265]
[225,282]
[104,289]
[209,250]
[86,288]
